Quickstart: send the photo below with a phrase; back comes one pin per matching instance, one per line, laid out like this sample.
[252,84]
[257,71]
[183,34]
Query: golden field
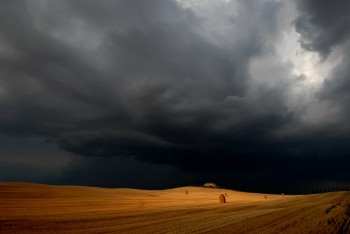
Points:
[34,208]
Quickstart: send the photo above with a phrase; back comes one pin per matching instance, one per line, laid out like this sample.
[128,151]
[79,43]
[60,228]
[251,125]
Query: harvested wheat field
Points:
[33,208]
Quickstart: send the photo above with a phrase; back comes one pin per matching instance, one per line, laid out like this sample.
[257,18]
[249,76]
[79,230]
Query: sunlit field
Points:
[33,208]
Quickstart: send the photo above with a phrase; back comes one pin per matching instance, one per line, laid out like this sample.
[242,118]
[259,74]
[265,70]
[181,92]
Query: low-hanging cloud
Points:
[323,24]
[158,82]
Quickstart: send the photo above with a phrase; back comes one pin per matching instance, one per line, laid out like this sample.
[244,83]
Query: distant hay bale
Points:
[265,197]
[186,192]
[210,185]
[222,198]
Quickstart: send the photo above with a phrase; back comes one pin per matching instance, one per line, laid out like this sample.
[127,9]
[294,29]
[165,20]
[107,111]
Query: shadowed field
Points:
[32,208]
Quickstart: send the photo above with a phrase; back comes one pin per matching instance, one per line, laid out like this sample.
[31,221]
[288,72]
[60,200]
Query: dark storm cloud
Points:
[147,80]
[325,27]
[336,87]
[323,24]
[23,172]
[161,78]
[123,172]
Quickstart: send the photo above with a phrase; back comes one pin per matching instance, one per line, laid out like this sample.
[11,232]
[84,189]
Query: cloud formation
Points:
[323,24]
[200,88]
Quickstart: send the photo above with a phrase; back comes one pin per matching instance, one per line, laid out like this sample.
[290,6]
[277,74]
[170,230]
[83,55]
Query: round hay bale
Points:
[222,198]
[210,185]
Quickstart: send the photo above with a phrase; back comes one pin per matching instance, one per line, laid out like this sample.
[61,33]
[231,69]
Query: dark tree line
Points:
[331,189]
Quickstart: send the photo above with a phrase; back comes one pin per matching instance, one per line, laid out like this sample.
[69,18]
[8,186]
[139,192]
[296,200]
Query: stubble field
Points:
[34,208]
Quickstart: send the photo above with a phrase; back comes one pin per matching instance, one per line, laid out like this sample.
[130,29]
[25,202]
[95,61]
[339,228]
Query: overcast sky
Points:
[250,94]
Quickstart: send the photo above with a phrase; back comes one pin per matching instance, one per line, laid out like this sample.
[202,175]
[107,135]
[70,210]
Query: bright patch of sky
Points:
[300,71]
